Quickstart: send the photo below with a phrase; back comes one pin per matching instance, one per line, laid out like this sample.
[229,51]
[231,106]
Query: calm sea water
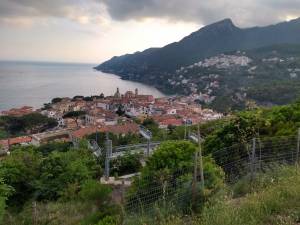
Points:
[28,83]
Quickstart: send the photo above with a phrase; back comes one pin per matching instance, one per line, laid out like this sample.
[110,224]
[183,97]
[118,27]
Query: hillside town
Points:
[119,114]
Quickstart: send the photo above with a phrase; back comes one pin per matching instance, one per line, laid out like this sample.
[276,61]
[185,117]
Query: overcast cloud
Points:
[96,30]
[243,12]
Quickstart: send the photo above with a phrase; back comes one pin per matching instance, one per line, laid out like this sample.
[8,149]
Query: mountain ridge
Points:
[222,36]
[159,66]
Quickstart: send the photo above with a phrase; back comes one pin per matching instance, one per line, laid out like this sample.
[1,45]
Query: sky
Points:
[92,31]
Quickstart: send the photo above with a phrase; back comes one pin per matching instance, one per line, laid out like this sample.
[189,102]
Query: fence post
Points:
[260,158]
[34,213]
[201,160]
[298,147]
[185,130]
[148,147]
[198,161]
[195,175]
[108,146]
[253,158]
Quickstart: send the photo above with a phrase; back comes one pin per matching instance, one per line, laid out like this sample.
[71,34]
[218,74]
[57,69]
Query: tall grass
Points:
[272,198]
[276,202]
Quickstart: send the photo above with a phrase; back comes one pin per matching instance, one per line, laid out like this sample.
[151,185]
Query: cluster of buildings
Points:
[116,114]
[18,111]
[200,78]
[221,61]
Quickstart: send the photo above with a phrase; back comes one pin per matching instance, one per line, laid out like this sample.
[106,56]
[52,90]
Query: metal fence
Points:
[176,190]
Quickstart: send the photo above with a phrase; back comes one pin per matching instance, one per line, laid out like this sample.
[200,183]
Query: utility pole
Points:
[108,146]
[97,136]
[185,130]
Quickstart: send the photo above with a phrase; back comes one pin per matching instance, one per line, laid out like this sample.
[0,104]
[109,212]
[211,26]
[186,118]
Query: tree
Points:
[170,170]
[75,115]
[88,98]
[20,170]
[77,97]
[56,100]
[126,164]
[30,123]
[120,111]
[5,191]
[150,124]
[92,190]
[36,122]
[106,214]
[172,155]
[61,169]
[234,133]
[46,149]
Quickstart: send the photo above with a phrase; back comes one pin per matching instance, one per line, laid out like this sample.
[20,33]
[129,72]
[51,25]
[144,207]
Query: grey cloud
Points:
[32,9]
[243,12]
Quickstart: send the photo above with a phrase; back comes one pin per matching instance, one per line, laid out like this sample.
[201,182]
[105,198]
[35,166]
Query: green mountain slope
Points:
[235,80]
[211,40]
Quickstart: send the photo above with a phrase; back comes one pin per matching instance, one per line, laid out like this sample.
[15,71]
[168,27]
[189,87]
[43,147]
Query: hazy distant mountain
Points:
[211,40]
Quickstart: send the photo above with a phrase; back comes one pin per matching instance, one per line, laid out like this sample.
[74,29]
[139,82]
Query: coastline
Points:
[31,84]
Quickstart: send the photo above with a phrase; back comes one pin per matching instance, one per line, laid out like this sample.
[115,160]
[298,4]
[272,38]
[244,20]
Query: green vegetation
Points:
[276,203]
[45,178]
[3,134]
[61,181]
[270,200]
[31,123]
[5,191]
[56,100]
[169,172]
[64,182]
[117,140]
[126,164]
[276,122]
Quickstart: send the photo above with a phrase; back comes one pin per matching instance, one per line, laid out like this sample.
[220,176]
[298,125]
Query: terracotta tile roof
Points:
[82,132]
[161,118]
[19,140]
[174,122]
[16,140]
[18,111]
[121,129]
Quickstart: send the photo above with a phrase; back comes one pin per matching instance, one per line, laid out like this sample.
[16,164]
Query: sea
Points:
[36,83]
